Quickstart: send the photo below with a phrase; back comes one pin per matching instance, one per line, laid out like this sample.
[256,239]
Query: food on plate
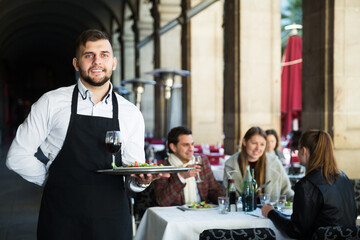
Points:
[136,164]
[288,204]
[200,205]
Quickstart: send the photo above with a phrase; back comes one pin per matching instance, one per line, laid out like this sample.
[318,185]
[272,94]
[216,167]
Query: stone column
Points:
[317,76]
[147,65]
[252,87]
[231,75]
[170,56]
[129,68]
[163,51]
[207,73]
[116,76]
[186,63]
[331,76]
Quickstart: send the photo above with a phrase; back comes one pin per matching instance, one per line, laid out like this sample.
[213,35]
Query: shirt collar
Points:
[85,93]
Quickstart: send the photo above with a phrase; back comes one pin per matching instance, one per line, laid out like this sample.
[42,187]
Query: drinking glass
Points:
[264,198]
[223,204]
[113,144]
[198,161]
[281,202]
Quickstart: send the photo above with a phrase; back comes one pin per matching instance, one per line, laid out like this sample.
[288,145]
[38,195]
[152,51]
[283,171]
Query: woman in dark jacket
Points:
[324,197]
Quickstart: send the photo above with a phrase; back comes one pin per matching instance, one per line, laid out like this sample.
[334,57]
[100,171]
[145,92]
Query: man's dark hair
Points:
[89,35]
[173,135]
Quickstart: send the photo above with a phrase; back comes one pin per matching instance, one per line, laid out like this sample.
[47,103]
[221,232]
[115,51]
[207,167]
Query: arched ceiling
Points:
[38,36]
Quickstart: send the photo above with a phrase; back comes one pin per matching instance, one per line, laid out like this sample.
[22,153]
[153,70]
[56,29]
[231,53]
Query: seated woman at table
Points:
[266,166]
[324,197]
[182,188]
[273,144]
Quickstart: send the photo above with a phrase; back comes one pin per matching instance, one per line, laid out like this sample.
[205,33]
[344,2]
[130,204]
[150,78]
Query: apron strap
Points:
[74,100]
[116,124]
[115,110]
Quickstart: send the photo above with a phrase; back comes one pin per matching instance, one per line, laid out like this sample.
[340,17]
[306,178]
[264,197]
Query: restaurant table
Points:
[172,223]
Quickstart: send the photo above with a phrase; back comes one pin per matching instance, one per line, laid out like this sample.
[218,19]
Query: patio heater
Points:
[123,91]
[138,85]
[166,77]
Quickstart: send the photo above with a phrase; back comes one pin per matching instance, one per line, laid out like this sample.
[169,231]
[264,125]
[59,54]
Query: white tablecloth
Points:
[171,223]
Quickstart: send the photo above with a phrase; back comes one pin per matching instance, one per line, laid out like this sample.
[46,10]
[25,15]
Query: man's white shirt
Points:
[47,124]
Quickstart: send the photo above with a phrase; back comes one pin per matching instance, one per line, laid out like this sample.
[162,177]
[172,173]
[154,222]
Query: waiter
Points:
[69,125]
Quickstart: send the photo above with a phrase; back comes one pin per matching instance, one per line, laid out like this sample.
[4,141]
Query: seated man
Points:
[182,187]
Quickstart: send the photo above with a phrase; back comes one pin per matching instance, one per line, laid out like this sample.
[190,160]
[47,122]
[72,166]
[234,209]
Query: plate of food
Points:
[202,206]
[144,168]
[288,205]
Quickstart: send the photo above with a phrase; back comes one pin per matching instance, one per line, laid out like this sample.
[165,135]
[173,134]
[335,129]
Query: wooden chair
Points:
[356,184]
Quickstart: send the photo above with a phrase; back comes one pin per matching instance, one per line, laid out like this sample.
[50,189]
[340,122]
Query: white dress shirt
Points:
[47,124]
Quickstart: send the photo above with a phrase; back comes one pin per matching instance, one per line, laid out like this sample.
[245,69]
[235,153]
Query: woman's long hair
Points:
[259,170]
[321,149]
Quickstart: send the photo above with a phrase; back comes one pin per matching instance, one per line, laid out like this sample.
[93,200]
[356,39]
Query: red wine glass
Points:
[113,144]
[198,161]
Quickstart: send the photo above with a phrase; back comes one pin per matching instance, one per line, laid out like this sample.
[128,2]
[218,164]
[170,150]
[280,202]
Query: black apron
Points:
[77,202]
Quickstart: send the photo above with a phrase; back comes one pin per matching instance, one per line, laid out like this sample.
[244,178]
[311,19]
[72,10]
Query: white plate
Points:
[285,207]
[187,207]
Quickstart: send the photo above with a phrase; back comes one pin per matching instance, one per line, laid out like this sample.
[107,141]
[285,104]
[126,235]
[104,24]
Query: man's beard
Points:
[91,81]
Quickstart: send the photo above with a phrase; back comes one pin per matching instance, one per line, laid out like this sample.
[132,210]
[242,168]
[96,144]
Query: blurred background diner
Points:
[273,145]
[217,67]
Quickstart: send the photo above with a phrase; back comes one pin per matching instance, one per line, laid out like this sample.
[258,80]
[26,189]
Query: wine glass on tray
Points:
[113,144]
[198,161]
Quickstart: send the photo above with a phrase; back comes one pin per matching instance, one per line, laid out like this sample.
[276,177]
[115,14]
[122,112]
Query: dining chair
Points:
[238,234]
[356,185]
[142,201]
[138,203]
[337,232]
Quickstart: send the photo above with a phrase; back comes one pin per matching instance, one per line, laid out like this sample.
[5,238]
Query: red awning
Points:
[291,84]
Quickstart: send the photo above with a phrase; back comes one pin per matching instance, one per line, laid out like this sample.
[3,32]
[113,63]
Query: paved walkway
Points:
[19,204]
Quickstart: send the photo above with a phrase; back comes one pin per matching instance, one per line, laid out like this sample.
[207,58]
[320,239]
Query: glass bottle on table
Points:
[232,196]
[253,180]
[247,191]
[254,185]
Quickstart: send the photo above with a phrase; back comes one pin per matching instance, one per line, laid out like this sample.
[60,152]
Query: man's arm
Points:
[132,130]
[29,136]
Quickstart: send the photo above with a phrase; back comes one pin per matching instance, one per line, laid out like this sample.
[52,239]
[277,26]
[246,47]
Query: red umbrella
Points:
[291,84]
